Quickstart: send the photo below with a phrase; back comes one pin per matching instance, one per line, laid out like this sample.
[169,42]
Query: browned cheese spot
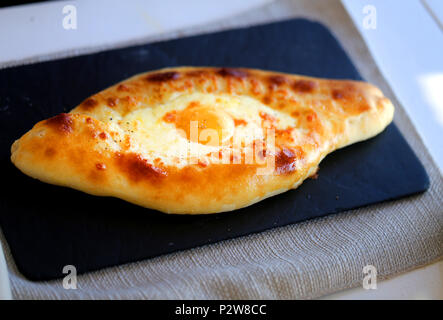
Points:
[89,104]
[112,102]
[337,94]
[137,168]
[163,76]
[304,86]
[285,160]
[50,152]
[62,122]
[100,166]
[122,87]
[277,81]
[231,72]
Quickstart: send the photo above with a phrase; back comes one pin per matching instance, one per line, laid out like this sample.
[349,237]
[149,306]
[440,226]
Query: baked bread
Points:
[201,140]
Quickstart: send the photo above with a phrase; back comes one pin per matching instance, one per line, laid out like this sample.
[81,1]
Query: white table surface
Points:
[407,45]
[406,42]
[422,283]
[5,291]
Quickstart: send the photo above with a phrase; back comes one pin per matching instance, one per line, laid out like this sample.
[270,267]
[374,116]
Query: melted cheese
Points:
[156,136]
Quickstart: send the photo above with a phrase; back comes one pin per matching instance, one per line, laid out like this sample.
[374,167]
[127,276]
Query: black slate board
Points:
[48,227]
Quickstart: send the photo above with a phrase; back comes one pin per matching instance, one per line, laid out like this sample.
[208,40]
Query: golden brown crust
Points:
[90,148]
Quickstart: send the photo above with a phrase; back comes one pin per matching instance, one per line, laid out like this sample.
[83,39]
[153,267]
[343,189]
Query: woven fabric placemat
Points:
[304,260]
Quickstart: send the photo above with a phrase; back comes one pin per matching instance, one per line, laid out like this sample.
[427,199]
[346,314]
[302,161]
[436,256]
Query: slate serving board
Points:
[48,227]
